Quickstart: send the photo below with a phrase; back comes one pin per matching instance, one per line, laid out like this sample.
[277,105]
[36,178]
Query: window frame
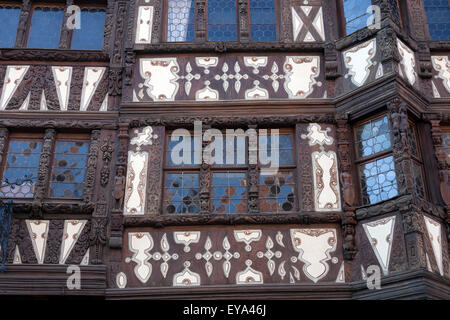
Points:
[89,6]
[165,24]
[78,137]
[30,19]
[360,161]
[17,4]
[237,168]
[22,136]
[56,4]
[418,159]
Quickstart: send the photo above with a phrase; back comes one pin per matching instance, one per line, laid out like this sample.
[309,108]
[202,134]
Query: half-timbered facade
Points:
[96,98]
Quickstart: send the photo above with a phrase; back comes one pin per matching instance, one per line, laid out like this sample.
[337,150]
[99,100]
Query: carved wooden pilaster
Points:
[119,34]
[244,32]
[23,24]
[89,180]
[205,178]
[99,221]
[200,20]
[286,22]
[401,146]
[109,23]
[130,60]
[330,13]
[66,31]
[304,169]
[97,238]
[344,133]
[253,174]
[115,240]
[155,172]
[43,172]
[414,240]
[417,19]
[389,10]
[390,57]
[115,87]
[157,21]
[4,133]
[331,67]
[441,157]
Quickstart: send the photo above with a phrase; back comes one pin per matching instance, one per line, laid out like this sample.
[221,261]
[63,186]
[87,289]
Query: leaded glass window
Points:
[373,137]
[378,180]
[356,15]
[180,27]
[227,178]
[375,162]
[277,192]
[181,193]
[69,167]
[263,22]
[45,27]
[222,20]
[438,19]
[229,192]
[9,21]
[90,34]
[21,168]
[284,152]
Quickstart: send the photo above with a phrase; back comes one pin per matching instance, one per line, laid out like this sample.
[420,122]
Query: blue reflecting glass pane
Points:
[45,28]
[69,168]
[90,34]
[181,193]
[263,20]
[20,173]
[356,15]
[229,192]
[378,180]
[284,153]
[184,151]
[438,19]
[9,20]
[222,22]
[180,25]
[277,192]
[373,137]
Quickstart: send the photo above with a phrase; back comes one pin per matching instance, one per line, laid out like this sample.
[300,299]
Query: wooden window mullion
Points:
[24,22]
[4,134]
[66,33]
[200,17]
